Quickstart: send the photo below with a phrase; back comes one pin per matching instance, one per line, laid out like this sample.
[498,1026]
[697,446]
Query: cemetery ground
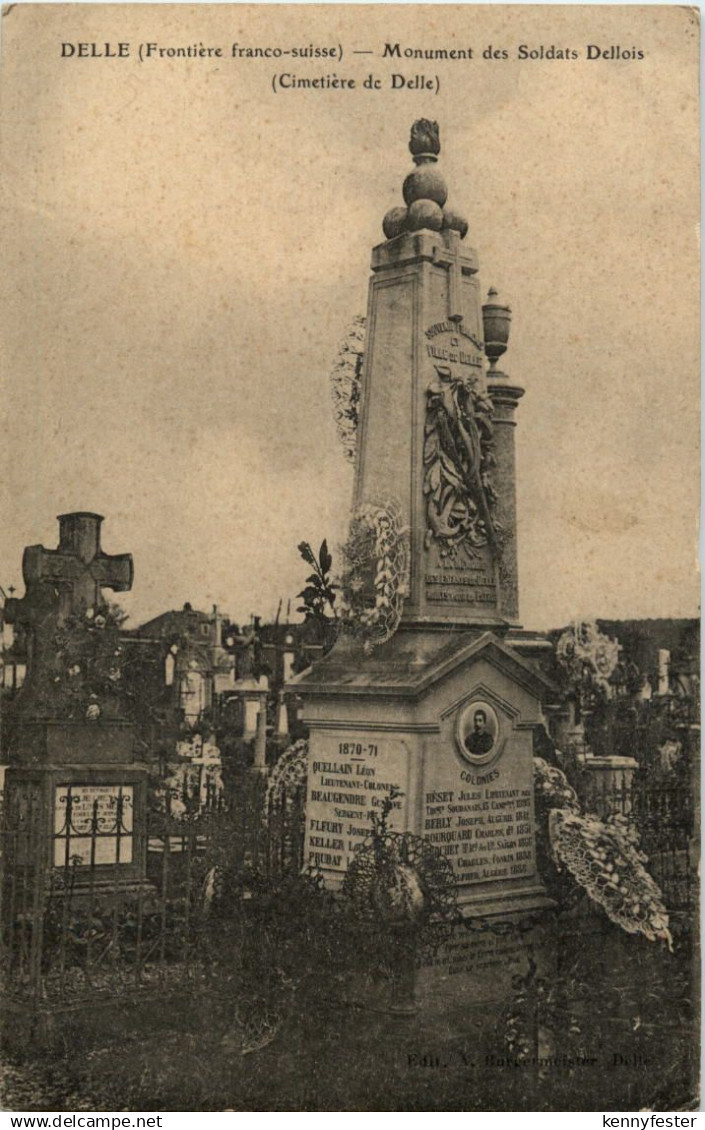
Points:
[237,982]
[598,1020]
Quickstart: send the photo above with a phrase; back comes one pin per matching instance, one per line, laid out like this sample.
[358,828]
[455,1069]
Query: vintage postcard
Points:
[349,699]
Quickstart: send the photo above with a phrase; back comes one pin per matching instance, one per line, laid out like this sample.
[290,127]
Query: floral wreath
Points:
[601,856]
[604,857]
[288,775]
[346,386]
[583,647]
[376,577]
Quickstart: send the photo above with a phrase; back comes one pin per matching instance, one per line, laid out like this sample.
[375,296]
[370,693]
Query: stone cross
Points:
[450,258]
[70,578]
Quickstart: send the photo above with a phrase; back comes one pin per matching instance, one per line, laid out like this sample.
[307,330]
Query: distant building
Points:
[189,666]
[201,669]
[199,672]
[13,654]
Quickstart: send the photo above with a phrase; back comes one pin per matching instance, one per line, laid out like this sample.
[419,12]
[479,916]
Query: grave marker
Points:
[70,743]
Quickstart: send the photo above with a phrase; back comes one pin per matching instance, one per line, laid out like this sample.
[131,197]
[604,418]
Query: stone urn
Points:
[496,320]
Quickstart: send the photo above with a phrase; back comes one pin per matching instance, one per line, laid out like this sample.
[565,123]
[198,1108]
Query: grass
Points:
[620,998]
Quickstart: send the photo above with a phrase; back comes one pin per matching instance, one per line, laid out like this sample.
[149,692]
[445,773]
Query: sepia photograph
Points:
[349,587]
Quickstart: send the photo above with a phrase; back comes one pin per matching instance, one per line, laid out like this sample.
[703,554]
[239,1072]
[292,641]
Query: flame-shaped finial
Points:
[425,142]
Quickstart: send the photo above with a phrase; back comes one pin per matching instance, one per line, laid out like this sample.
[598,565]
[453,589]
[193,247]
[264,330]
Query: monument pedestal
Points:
[608,783]
[447,719]
[451,974]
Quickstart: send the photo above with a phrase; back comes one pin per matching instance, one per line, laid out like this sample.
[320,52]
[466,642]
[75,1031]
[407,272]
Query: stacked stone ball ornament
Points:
[425,191]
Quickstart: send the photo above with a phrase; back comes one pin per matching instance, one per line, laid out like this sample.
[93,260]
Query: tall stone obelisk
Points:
[443,708]
[437,430]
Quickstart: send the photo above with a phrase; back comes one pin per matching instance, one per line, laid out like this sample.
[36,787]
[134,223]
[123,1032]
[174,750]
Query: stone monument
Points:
[251,687]
[73,784]
[443,709]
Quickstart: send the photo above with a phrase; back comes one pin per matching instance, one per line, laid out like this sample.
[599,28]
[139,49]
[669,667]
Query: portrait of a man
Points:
[478,732]
[479,740]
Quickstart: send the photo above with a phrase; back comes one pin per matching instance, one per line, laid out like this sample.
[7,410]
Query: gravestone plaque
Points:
[479,801]
[93,823]
[478,965]
[478,795]
[348,779]
[487,831]
[469,968]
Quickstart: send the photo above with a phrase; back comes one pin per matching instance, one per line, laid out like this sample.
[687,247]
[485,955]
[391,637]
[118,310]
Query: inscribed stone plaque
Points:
[349,777]
[472,967]
[466,952]
[93,823]
[478,807]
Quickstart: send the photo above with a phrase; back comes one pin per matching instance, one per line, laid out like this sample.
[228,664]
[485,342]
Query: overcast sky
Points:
[185,248]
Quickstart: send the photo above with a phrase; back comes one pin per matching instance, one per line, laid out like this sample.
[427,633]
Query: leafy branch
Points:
[318,597]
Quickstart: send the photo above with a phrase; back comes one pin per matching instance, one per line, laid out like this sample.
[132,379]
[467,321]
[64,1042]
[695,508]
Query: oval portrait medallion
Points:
[478,733]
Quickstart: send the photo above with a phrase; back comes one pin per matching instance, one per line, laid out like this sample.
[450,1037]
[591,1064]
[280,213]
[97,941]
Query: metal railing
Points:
[665,818]
[74,926]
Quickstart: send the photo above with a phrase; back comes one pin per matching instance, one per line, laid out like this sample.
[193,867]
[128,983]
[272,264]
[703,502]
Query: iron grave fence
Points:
[78,925]
[665,816]
[79,929]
